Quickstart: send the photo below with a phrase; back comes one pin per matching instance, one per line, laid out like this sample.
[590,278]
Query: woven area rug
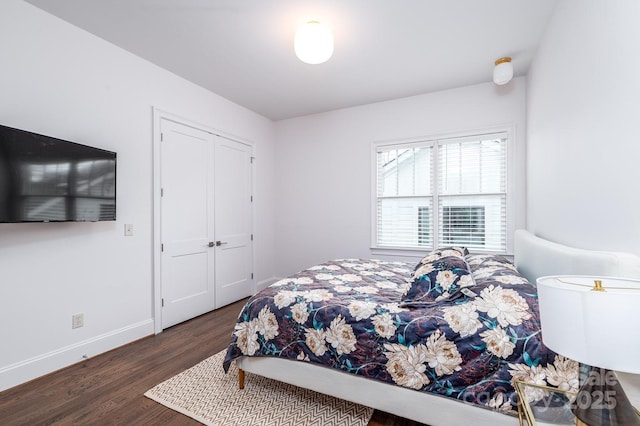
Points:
[205,393]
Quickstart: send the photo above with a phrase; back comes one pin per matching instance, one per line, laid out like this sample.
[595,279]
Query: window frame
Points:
[512,211]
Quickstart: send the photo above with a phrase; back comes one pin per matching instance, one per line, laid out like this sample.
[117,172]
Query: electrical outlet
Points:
[77,320]
[128,229]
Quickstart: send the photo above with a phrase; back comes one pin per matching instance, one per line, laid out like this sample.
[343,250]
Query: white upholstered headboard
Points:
[535,257]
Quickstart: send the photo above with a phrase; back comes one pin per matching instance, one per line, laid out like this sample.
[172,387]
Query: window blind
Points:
[443,192]
[472,192]
[404,197]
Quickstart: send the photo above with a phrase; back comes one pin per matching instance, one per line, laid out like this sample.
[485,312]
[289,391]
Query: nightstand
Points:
[544,404]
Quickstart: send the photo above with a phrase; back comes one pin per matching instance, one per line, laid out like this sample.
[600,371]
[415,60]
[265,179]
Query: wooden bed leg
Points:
[241,378]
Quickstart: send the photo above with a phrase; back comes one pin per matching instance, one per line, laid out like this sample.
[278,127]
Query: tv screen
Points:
[44,179]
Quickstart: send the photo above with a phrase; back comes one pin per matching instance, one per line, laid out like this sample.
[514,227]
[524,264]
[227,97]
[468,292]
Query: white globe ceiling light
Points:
[503,71]
[313,42]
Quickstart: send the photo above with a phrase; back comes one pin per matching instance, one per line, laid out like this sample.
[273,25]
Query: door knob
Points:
[219,243]
[211,244]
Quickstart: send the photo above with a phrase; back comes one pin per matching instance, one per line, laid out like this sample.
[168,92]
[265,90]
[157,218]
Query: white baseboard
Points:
[266,283]
[24,371]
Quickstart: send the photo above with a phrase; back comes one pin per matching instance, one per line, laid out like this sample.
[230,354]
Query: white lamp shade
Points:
[313,42]
[503,71]
[597,328]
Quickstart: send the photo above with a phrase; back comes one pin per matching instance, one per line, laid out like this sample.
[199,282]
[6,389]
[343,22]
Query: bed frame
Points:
[534,257]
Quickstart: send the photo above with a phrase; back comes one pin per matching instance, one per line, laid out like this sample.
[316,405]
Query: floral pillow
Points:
[437,280]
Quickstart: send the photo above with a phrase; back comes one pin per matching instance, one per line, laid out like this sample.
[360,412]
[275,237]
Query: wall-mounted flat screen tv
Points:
[44,179]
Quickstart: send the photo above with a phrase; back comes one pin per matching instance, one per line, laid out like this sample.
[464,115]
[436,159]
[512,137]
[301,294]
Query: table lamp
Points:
[595,320]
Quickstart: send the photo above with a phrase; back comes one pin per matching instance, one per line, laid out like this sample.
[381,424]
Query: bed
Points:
[438,342]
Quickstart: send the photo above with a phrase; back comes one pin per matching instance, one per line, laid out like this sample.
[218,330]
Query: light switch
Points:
[128,229]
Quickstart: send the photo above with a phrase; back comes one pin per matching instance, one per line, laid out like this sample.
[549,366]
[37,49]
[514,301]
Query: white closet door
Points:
[187,222]
[233,221]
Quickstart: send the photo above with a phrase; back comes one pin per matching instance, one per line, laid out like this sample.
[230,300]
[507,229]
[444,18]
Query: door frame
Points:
[158,116]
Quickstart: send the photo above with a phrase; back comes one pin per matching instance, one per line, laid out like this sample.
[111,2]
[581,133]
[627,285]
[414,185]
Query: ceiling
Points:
[243,49]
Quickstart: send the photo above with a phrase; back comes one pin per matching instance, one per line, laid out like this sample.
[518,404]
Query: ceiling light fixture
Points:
[313,42]
[503,72]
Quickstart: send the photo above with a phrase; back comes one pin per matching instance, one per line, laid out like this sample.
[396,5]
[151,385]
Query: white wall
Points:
[58,80]
[323,172]
[583,127]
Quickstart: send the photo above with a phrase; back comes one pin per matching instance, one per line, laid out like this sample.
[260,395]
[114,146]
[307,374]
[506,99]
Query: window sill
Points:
[418,254]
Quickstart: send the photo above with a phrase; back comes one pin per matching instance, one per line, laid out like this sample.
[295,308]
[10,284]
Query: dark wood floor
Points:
[108,389]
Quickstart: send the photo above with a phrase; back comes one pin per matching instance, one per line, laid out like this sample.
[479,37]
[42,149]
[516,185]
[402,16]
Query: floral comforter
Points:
[350,315]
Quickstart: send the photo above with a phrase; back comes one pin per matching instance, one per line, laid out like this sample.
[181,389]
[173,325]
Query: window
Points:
[450,191]
[424,226]
[463,225]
